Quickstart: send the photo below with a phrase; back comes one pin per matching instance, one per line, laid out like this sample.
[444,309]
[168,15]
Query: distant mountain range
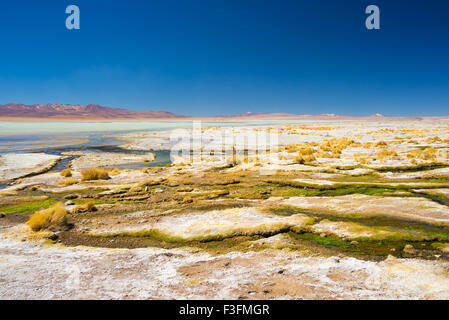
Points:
[17,111]
[91,111]
[326,116]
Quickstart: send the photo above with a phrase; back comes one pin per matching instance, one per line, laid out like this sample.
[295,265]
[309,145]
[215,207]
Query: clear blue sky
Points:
[215,57]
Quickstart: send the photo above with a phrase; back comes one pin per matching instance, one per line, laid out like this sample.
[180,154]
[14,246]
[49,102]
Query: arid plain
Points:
[326,210]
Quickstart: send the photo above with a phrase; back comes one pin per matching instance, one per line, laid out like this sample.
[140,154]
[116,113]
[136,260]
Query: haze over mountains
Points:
[17,111]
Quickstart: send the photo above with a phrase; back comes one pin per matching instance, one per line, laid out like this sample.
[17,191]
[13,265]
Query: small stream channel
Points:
[98,145]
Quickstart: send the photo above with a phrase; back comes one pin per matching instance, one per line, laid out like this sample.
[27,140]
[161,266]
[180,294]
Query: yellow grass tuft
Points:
[306,151]
[54,218]
[20,180]
[114,172]
[181,164]
[385,154]
[433,140]
[336,146]
[381,144]
[87,207]
[302,159]
[94,174]
[66,173]
[360,158]
[68,182]
[322,154]
[426,154]
[187,200]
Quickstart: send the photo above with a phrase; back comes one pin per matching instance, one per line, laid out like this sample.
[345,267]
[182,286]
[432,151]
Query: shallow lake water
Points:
[54,137]
[46,136]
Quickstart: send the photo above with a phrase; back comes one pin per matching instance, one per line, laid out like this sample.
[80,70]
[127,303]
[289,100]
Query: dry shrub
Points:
[114,172]
[148,183]
[433,140]
[426,154]
[66,173]
[152,182]
[385,154]
[360,158]
[355,145]
[87,207]
[94,174]
[290,148]
[151,170]
[322,154]
[381,144]
[336,153]
[68,182]
[181,164]
[306,151]
[52,218]
[430,154]
[302,159]
[414,154]
[336,146]
[187,200]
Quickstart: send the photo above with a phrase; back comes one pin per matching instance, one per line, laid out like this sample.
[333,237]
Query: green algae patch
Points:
[406,208]
[160,239]
[371,249]
[151,233]
[87,190]
[414,168]
[28,208]
[296,188]
[161,236]
[163,165]
[398,229]
[360,232]
[332,241]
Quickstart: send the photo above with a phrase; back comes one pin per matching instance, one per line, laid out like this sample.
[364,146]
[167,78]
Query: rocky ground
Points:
[333,211]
